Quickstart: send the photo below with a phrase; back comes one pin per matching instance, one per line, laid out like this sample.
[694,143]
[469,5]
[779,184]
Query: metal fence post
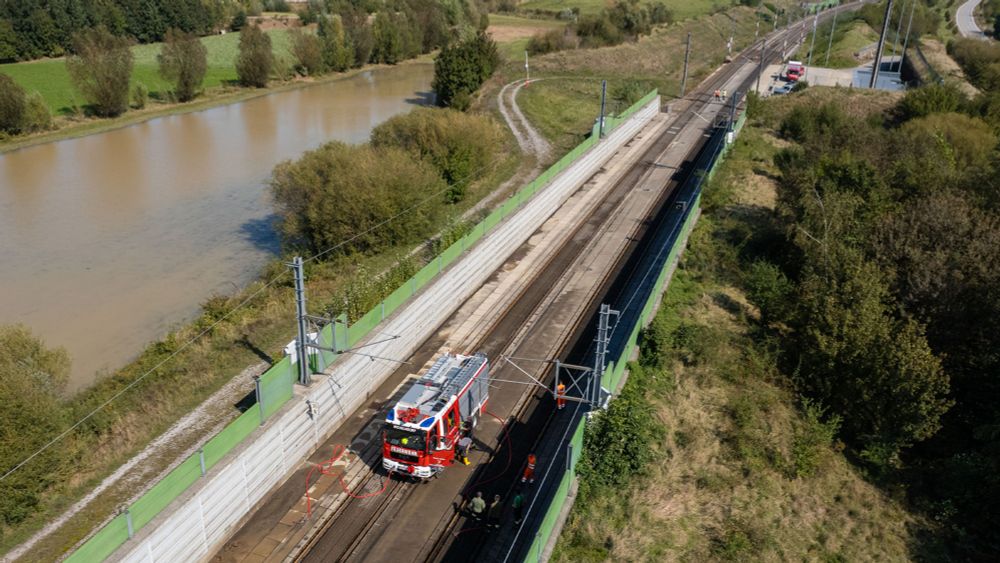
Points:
[260,396]
[201,461]
[383,311]
[128,522]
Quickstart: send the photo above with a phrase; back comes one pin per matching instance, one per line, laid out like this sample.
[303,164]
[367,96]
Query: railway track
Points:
[358,524]
[498,341]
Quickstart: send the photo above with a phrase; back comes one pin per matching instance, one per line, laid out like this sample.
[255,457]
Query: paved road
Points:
[966,22]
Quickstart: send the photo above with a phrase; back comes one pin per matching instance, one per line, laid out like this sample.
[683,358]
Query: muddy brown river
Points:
[110,240]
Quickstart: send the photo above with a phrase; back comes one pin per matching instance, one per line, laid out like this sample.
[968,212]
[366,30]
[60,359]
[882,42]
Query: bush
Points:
[626,93]
[13,105]
[459,145]
[813,438]
[184,61]
[307,49]
[140,96]
[356,199]
[101,68]
[598,31]
[256,60]
[239,21]
[37,116]
[980,60]
[462,68]
[551,41]
[618,442]
[933,98]
[33,378]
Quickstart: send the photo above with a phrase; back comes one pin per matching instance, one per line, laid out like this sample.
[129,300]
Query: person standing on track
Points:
[561,396]
[529,470]
[477,506]
[494,513]
[518,505]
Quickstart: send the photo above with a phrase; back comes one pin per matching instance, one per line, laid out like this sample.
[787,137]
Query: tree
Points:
[184,61]
[877,372]
[101,68]
[343,195]
[8,42]
[388,44]
[256,60]
[460,146]
[13,105]
[32,377]
[337,51]
[307,49]
[460,69]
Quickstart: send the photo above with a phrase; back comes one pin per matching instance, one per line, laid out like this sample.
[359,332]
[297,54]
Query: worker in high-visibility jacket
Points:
[561,396]
[529,470]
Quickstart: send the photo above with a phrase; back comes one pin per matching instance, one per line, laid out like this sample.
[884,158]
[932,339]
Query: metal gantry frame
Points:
[310,330]
[583,383]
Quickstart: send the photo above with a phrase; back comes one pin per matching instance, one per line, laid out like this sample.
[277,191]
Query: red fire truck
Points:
[422,430]
[795,71]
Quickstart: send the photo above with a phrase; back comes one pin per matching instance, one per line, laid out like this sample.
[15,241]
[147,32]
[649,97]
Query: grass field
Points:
[741,470]
[850,37]
[49,76]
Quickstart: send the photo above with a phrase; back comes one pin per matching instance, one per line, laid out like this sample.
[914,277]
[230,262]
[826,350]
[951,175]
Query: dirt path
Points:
[534,148]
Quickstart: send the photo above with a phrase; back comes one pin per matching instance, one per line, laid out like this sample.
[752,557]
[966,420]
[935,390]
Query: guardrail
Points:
[706,167]
[276,385]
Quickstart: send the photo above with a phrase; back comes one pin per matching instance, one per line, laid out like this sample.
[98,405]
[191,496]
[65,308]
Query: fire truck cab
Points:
[422,430]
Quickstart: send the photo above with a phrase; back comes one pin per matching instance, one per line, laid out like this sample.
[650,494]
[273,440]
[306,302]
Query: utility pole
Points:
[756,31]
[687,55]
[527,73]
[602,340]
[881,45]
[830,46]
[899,28]
[604,97]
[729,44]
[760,64]
[300,306]
[906,40]
[812,44]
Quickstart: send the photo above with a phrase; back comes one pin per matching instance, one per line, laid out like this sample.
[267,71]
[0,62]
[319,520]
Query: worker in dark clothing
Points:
[494,513]
[477,506]
[518,505]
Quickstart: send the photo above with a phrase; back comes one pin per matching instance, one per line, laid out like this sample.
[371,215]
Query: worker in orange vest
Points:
[529,470]
[561,396]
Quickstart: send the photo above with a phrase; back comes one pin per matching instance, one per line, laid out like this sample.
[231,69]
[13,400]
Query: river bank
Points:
[73,127]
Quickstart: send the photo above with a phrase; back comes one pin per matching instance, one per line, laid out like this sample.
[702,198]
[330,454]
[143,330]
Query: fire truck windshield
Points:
[406,439]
